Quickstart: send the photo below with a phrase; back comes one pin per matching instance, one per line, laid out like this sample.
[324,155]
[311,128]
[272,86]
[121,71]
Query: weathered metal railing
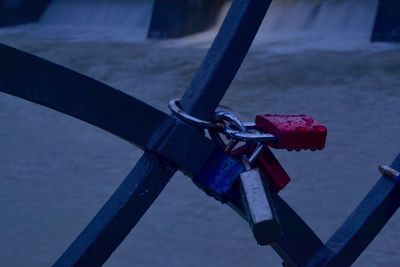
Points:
[165,140]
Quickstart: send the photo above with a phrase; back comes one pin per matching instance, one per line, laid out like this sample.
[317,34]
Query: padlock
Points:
[293,131]
[268,165]
[257,201]
[272,170]
[218,175]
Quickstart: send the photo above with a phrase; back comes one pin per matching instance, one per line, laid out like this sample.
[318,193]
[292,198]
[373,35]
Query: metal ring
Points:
[248,136]
[249,125]
[176,109]
[231,118]
[241,132]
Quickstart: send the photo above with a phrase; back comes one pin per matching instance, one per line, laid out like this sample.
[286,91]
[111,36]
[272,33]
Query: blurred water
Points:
[57,172]
[303,25]
[90,20]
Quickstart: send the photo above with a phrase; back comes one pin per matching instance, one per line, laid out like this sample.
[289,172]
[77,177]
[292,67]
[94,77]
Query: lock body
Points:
[293,132]
[259,207]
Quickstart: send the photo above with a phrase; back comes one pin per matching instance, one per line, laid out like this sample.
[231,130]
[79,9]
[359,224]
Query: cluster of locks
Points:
[263,175]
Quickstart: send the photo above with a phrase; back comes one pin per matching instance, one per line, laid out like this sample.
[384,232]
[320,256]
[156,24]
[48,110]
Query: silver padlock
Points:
[257,200]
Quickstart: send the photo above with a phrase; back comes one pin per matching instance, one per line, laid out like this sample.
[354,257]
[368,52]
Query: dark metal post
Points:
[24,11]
[177,18]
[224,57]
[387,22]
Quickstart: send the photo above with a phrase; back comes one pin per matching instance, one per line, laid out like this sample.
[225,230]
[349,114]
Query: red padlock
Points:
[268,165]
[273,170]
[293,131]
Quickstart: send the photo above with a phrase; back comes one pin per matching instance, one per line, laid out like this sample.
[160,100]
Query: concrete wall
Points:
[177,18]
[13,12]
[387,23]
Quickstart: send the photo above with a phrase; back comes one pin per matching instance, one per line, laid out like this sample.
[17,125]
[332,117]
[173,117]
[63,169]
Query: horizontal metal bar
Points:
[358,231]
[62,89]
[59,88]
[119,214]
[224,58]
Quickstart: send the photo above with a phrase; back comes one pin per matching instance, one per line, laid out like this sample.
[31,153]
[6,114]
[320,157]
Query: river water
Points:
[57,171]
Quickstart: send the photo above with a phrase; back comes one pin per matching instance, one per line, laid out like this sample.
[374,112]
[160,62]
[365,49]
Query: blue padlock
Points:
[219,174]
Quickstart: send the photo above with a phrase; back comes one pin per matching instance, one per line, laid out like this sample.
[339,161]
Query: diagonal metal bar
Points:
[119,215]
[224,57]
[361,227]
[103,234]
[298,244]
[57,87]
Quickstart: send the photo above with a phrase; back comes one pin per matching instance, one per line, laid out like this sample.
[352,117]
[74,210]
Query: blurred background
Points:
[312,57]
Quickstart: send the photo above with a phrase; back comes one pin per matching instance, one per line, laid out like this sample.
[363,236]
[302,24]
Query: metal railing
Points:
[165,140]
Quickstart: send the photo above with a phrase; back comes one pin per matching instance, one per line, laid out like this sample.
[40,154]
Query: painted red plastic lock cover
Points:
[293,131]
